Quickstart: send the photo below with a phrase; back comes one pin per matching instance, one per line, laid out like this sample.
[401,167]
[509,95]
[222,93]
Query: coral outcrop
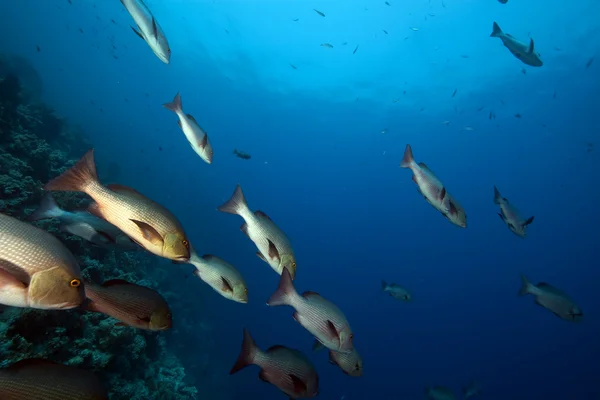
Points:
[36,145]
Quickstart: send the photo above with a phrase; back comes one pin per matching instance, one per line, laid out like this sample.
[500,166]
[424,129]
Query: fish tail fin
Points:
[78,177]
[525,286]
[529,221]
[408,160]
[175,105]
[383,285]
[496,31]
[47,209]
[246,357]
[236,204]
[284,291]
[497,196]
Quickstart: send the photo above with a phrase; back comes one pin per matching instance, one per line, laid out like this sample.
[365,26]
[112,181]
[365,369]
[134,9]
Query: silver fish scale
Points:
[120,207]
[262,229]
[278,364]
[313,314]
[33,249]
[216,268]
[128,302]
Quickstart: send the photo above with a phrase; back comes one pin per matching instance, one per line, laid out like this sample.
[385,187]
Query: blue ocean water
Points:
[326,128]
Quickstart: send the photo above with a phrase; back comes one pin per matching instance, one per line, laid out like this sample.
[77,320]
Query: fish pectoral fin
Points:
[154,28]
[299,386]
[331,328]
[244,229]
[273,252]
[149,233]
[226,287]
[13,275]
[137,32]
[262,376]
[531,46]
[529,221]
[260,255]
[204,141]
[502,217]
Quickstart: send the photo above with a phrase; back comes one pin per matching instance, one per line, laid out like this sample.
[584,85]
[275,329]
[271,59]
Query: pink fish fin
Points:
[529,221]
[317,345]
[259,254]
[247,353]
[12,275]
[115,187]
[78,177]
[204,141]
[309,294]
[273,252]
[175,105]
[95,210]
[244,228]
[226,287]
[115,282]
[262,214]
[236,203]
[408,158]
[332,331]
[284,290]
[148,232]
[299,385]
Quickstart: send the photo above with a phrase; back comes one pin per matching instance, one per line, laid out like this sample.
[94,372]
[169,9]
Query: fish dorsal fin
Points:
[262,376]
[115,187]
[154,28]
[191,118]
[332,330]
[137,32]
[31,363]
[115,282]
[425,167]
[208,257]
[149,233]
[299,386]
[226,286]
[530,49]
[275,348]
[260,255]
[262,214]
[308,294]
[273,252]
[244,228]
[546,287]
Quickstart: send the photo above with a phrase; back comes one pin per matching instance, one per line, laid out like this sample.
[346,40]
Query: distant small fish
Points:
[446,123]
[80,30]
[454,93]
[296,20]
[554,95]
[387,3]
[38,48]
[503,1]
[160,148]
[384,131]
[590,61]
[344,44]
[293,66]
[552,299]
[356,48]
[414,29]
[482,107]
[327,45]
[319,12]
[384,31]
[35,378]
[241,154]
[510,215]
[439,393]
[113,21]
[464,56]
[468,128]
[523,71]
[517,115]
[396,291]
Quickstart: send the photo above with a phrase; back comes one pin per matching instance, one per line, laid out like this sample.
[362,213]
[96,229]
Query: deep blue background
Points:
[324,171]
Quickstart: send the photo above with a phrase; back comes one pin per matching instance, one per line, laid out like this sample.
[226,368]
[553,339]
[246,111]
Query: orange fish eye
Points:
[75,283]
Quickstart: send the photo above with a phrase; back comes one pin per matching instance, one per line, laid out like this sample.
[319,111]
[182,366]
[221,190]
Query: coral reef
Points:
[36,145]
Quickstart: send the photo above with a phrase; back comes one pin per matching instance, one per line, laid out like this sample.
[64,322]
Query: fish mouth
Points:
[182,258]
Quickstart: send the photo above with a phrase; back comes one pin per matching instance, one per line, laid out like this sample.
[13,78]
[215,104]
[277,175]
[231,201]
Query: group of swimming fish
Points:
[38,271]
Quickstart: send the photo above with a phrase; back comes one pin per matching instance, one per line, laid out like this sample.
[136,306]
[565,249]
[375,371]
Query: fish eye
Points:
[185,243]
[246,290]
[352,336]
[293,264]
[75,283]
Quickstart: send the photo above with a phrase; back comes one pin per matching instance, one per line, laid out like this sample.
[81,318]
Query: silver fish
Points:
[350,363]
[83,224]
[288,369]
[510,215]
[323,319]
[274,247]
[552,299]
[396,291]
[221,276]
[148,29]
[195,135]
[524,52]
[36,269]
